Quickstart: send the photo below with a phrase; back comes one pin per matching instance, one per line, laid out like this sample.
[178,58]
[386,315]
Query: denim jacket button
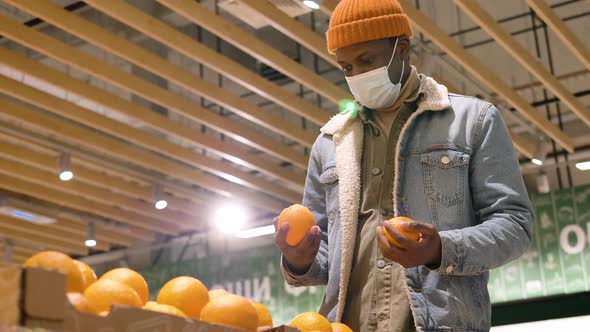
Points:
[376,171]
[449,269]
[445,160]
[380,263]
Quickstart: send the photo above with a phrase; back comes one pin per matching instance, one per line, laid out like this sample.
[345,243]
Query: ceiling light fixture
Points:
[65,167]
[159,202]
[230,218]
[91,240]
[311,4]
[583,166]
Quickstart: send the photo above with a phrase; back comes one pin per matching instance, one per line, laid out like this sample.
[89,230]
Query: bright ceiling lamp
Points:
[230,218]
[583,166]
[311,4]
[91,239]
[159,202]
[65,167]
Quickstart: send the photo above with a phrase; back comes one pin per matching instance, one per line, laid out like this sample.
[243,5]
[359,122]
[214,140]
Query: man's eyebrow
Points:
[365,53]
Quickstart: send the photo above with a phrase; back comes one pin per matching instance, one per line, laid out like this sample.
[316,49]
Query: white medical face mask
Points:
[374,89]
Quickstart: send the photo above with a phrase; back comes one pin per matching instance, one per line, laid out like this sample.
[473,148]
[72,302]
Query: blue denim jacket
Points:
[457,169]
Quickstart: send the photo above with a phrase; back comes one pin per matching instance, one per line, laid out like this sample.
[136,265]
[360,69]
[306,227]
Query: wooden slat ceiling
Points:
[127,133]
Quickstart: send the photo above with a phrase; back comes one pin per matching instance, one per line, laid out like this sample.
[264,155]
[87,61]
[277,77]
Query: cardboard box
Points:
[36,298]
[10,284]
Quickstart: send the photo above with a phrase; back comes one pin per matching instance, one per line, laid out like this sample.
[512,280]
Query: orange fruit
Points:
[104,313]
[81,303]
[311,321]
[53,260]
[339,327]
[87,273]
[300,220]
[106,292]
[264,316]
[185,293]
[215,293]
[231,310]
[395,222]
[131,279]
[164,308]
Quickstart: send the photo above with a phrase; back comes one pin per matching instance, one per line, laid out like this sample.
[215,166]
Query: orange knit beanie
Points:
[356,21]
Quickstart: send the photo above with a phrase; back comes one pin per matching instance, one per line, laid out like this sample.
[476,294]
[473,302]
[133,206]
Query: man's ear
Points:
[404,45]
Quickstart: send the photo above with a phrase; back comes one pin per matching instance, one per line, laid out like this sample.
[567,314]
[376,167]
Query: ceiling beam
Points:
[47,233]
[103,233]
[200,53]
[108,145]
[74,222]
[27,169]
[20,250]
[198,14]
[9,231]
[19,254]
[20,180]
[565,34]
[112,174]
[566,76]
[88,176]
[119,46]
[484,74]
[327,6]
[120,78]
[124,131]
[78,203]
[293,29]
[518,52]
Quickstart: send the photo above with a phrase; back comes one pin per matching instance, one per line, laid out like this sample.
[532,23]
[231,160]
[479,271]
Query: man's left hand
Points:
[427,251]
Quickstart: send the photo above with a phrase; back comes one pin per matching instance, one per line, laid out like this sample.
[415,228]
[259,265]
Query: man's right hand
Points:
[299,257]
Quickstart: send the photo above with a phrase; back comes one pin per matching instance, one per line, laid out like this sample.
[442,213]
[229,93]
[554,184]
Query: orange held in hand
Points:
[396,223]
[300,220]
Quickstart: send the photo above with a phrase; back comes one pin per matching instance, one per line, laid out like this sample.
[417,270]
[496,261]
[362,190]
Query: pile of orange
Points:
[184,297]
[87,294]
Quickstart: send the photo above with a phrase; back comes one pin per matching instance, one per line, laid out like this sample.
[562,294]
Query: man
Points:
[443,160]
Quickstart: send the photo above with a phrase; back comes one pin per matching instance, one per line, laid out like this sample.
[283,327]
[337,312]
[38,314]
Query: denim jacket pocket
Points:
[445,174]
[329,179]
